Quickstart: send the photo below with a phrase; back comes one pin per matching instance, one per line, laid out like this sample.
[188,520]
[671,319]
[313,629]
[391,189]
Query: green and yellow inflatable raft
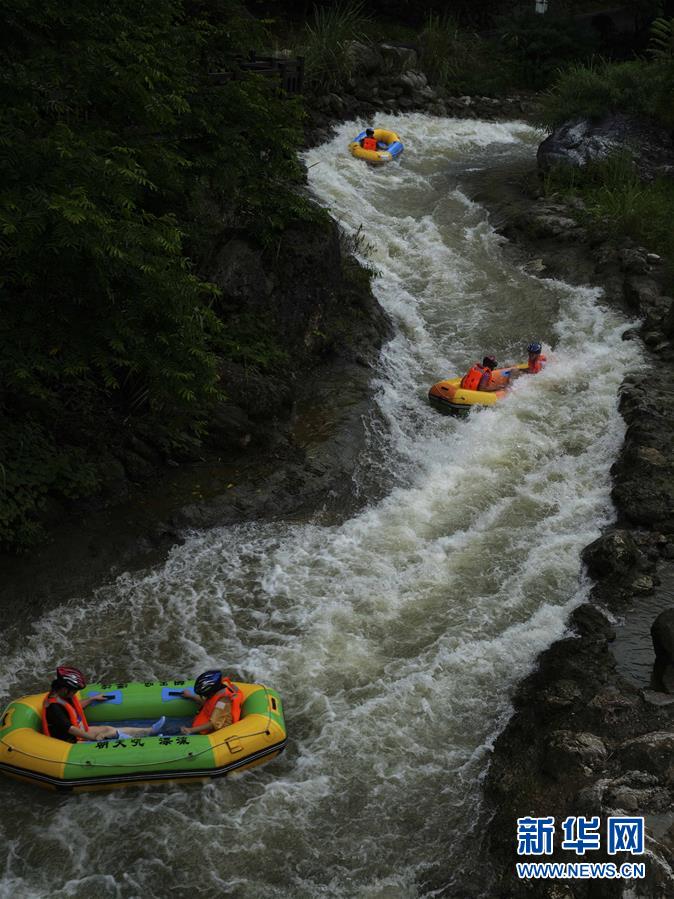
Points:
[27,754]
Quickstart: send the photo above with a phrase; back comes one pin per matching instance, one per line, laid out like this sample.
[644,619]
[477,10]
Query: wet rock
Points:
[581,141]
[136,467]
[655,698]
[662,634]
[612,705]
[363,58]
[613,554]
[239,271]
[652,752]
[642,293]
[666,675]
[636,791]
[592,624]
[562,693]
[642,586]
[397,59]
[569,754]
[634,261]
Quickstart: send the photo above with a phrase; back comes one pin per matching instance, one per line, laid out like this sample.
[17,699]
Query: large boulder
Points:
[581,141]
[398,59]
[653,753]
[611,555]
[572,754]
[662,632]
[363,58]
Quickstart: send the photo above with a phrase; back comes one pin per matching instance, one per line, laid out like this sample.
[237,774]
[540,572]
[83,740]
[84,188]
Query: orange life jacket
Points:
[538,364]
[471,380]
[369,143]
[73,708]
[229,691]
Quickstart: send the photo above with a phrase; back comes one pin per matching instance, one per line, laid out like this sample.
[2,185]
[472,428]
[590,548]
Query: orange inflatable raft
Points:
[450,396]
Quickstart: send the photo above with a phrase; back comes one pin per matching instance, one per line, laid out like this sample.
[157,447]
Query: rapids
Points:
[396,636]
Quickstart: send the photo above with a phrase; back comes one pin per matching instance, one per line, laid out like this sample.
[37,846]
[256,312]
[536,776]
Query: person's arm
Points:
[79,733]
[97,697]
[188,694]
[199,729]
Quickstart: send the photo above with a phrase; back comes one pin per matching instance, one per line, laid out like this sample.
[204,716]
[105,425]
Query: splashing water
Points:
[395,637]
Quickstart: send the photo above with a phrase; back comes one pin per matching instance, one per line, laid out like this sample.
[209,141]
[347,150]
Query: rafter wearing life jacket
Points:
[471,380]
[73,708]
[369,143]
[536,364]
[230,692]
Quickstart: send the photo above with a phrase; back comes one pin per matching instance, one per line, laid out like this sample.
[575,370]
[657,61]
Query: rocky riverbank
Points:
[278,445]
[387,79]
[585,738]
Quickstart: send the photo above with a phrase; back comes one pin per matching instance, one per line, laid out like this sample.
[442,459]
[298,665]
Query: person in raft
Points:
[535,361]
[220,702]
[63,713]
[480,377]
[368,142]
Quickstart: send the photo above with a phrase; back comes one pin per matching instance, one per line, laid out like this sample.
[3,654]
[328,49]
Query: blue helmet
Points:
[208,682]
[534,347]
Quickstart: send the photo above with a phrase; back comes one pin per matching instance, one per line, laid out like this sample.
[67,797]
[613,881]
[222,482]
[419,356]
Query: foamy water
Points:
[395,637]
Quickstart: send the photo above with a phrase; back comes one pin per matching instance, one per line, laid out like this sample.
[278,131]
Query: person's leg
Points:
[102,732]
[145,731]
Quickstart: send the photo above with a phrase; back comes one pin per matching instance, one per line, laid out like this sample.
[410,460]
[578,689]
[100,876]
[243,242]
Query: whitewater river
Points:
[395,637]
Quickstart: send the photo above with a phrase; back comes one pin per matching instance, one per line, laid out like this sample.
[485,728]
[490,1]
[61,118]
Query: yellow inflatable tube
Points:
[392,149]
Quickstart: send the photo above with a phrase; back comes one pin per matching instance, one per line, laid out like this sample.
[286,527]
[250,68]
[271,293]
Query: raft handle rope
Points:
[190,755]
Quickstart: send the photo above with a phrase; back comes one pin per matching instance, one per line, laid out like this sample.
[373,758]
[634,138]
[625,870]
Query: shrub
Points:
[326,44]
[458,62]
[617,201]
[592,91]
[538,45]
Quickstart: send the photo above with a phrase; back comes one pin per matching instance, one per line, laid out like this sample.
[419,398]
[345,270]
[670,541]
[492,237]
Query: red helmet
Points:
[71,677]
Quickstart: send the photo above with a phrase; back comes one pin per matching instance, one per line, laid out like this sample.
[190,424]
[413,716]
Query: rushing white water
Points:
[395,637]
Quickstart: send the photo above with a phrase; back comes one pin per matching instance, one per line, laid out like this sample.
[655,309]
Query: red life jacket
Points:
[538,364]
[369,143]
[73,708]
[471,380]
[229,691]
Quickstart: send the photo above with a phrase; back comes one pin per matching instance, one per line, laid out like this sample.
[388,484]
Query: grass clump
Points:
[619,203]
[458,62]
[328,60]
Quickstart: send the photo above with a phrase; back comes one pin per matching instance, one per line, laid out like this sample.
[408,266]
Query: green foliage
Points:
[120,158]
[355,244]
[539,44]
[459,62]
[252,342]
[592,91]
[662,39]
[619,203]
[326,43]
[30,468]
